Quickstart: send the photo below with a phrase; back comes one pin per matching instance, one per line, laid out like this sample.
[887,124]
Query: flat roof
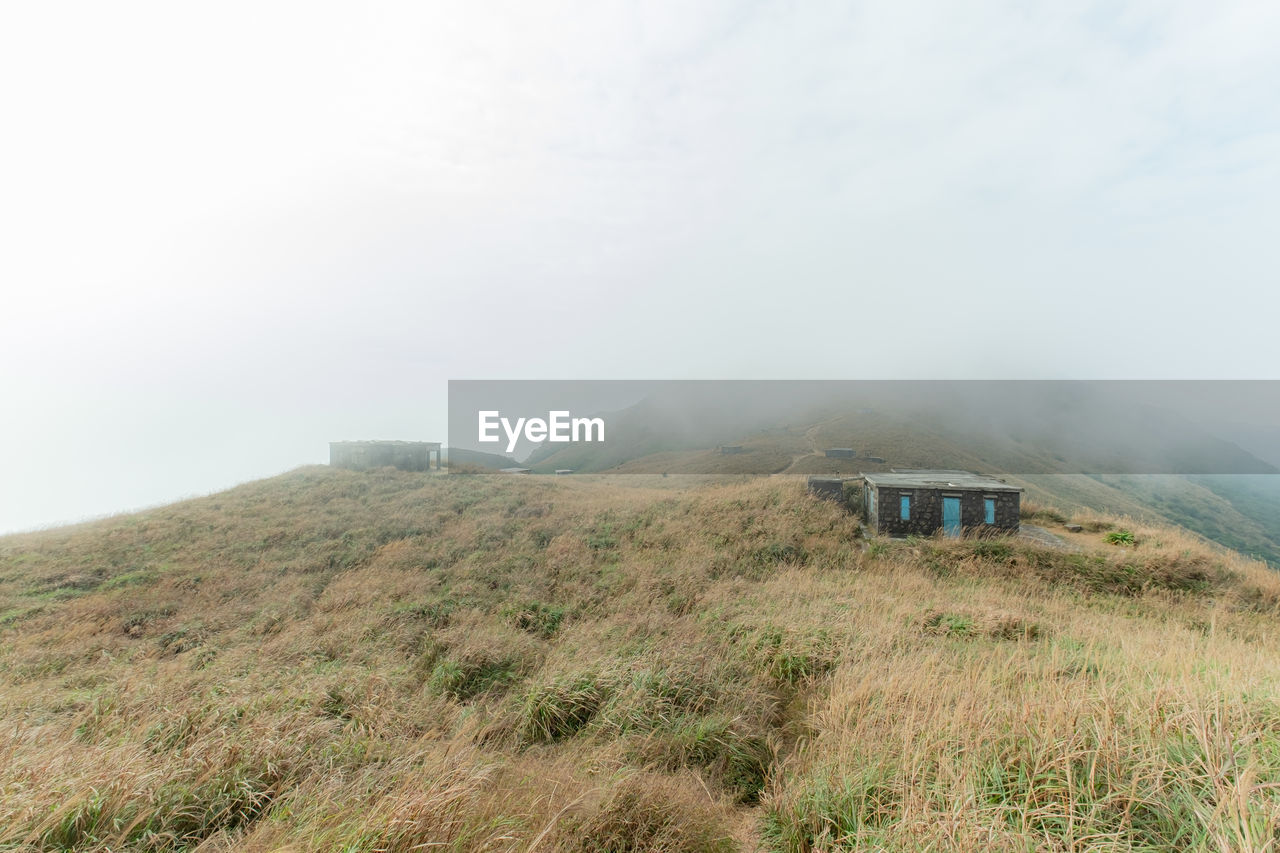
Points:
[938,478]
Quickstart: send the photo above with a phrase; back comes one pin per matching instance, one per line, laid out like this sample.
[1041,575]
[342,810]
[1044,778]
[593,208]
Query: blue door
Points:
[951,516]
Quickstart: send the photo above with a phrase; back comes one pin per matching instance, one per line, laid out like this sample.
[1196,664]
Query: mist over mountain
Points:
[1074,444]
[1031,428]
[1261,440]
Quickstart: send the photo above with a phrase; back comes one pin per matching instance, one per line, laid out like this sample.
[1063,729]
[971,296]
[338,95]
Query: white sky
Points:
[233,232]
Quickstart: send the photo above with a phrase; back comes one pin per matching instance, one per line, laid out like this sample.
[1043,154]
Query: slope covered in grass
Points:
[330,660]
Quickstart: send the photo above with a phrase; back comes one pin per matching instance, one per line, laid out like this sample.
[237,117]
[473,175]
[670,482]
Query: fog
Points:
[1058,426]
[236,233]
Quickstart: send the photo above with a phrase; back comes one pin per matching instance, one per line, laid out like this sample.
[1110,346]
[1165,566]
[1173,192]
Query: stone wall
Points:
[926,510]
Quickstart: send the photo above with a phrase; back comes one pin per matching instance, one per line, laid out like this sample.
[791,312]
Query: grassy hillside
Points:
[330,660]
[1257,499]
[1241,512]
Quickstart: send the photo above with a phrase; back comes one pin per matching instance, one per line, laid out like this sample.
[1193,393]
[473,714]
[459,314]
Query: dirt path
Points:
[813,451]
[795,457]
[1041,536]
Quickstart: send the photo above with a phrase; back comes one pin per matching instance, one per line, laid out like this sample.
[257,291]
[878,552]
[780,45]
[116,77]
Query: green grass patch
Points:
[736,760]
[1121,537]
[536,618]
[561,708]
[836,812]
[466,678]
[137,577]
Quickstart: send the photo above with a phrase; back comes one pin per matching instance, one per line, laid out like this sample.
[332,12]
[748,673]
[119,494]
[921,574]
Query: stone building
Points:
[828,488]
[923,501]
[365,455]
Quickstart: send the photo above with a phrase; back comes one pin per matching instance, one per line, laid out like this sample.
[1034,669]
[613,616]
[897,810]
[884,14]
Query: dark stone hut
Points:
[923,501]
[828,488]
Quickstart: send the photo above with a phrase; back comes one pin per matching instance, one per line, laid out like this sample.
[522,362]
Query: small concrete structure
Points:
[564,470]
[514,470]
[869,458]
[729,449]
[367,455]
[923,501]
[828,488]
[840,453]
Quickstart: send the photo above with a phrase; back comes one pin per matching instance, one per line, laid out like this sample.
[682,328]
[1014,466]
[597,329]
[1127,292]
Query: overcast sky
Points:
[233,232]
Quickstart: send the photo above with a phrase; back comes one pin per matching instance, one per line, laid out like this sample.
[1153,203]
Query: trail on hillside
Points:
[811,441]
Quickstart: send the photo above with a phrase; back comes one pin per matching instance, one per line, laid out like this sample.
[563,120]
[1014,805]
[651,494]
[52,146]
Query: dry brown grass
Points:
[388,661]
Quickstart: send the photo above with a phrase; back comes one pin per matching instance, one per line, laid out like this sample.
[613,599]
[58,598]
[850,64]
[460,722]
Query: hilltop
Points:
[333,660]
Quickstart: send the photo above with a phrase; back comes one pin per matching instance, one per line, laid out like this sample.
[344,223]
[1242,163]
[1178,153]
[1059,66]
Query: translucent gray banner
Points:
[848,427]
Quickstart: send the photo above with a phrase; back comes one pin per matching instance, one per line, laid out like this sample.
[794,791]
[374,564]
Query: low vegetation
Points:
[1121,537]
[388,661]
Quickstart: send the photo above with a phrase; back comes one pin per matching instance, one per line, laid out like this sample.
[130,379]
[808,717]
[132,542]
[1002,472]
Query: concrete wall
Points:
[827,488]
[926,510]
